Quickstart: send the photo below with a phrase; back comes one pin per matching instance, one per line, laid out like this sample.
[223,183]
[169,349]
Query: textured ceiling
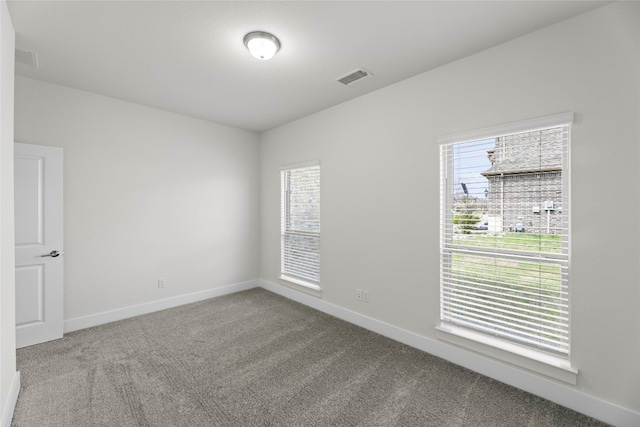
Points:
[188,56]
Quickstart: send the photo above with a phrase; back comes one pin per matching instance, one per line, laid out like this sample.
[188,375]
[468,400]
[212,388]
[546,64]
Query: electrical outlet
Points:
[162,282]
[365,296]
[359,294]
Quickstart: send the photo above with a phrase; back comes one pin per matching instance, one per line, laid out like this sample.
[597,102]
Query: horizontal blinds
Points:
[505,236]
[300,223]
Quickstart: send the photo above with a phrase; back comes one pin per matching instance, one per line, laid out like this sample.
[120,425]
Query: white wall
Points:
[7,249]
[380,183]
[148,194]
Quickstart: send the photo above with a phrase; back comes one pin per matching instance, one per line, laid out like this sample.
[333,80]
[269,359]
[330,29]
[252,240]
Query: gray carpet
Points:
[257,359]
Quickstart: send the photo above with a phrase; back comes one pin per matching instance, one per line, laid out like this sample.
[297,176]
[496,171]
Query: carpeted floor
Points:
[257,359]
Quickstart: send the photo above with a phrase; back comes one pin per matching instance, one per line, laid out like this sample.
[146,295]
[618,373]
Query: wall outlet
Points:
[162,282]
[362,295]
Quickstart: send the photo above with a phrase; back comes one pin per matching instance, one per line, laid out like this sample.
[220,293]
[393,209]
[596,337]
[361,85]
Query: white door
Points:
[38,222]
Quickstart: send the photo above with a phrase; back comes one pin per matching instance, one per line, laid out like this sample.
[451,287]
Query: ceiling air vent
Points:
[353,77]
[26,57]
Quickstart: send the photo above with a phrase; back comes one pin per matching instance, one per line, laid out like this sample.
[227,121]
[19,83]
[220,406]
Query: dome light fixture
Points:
[262,45]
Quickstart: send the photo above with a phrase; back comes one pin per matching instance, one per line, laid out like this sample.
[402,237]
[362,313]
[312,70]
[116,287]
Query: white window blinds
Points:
[505,236]
[300,223]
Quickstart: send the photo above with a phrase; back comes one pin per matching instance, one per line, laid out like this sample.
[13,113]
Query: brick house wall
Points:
[525,182]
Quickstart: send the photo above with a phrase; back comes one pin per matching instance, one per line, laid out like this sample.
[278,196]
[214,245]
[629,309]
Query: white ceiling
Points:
[188,56]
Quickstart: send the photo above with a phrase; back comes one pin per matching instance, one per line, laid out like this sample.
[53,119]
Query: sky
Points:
[470,159]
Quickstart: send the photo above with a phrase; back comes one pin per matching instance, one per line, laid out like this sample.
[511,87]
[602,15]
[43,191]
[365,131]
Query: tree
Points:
[466,214]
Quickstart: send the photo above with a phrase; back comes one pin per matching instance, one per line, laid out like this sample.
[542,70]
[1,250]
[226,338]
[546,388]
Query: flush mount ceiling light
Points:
[262,45]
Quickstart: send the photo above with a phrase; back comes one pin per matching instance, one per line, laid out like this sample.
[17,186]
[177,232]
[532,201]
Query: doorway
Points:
[39,243]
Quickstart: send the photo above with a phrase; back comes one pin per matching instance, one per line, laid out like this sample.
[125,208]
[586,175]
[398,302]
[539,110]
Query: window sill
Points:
[550,365]
[301,285]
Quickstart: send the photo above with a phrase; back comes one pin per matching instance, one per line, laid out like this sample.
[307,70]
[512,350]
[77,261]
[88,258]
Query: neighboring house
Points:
[525,187]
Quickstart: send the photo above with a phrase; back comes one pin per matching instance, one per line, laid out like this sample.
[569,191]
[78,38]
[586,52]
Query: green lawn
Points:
[548,243]
[508,287]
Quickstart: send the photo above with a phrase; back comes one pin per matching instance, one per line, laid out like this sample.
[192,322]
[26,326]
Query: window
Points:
[300,225]
[504,236]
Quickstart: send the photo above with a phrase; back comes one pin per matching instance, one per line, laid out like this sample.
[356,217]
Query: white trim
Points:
[559,393]
[307,286]
[300,165]
[83,322]
[537,361]
[12,399]
[508,128]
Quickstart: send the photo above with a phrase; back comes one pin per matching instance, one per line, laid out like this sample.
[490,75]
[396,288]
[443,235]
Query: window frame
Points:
[554,364]
[286,277]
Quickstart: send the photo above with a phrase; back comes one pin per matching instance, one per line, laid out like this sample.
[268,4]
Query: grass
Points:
[548,243]
[513,288]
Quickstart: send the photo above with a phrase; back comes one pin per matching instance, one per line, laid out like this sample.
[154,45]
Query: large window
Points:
[505,234]
[300,225]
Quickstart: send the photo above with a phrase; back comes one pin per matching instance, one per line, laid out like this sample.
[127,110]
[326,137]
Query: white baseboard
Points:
[91,320]
[12,399]
[562,394]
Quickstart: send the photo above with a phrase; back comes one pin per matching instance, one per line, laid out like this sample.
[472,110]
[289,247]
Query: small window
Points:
[300,225]
[505,233]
